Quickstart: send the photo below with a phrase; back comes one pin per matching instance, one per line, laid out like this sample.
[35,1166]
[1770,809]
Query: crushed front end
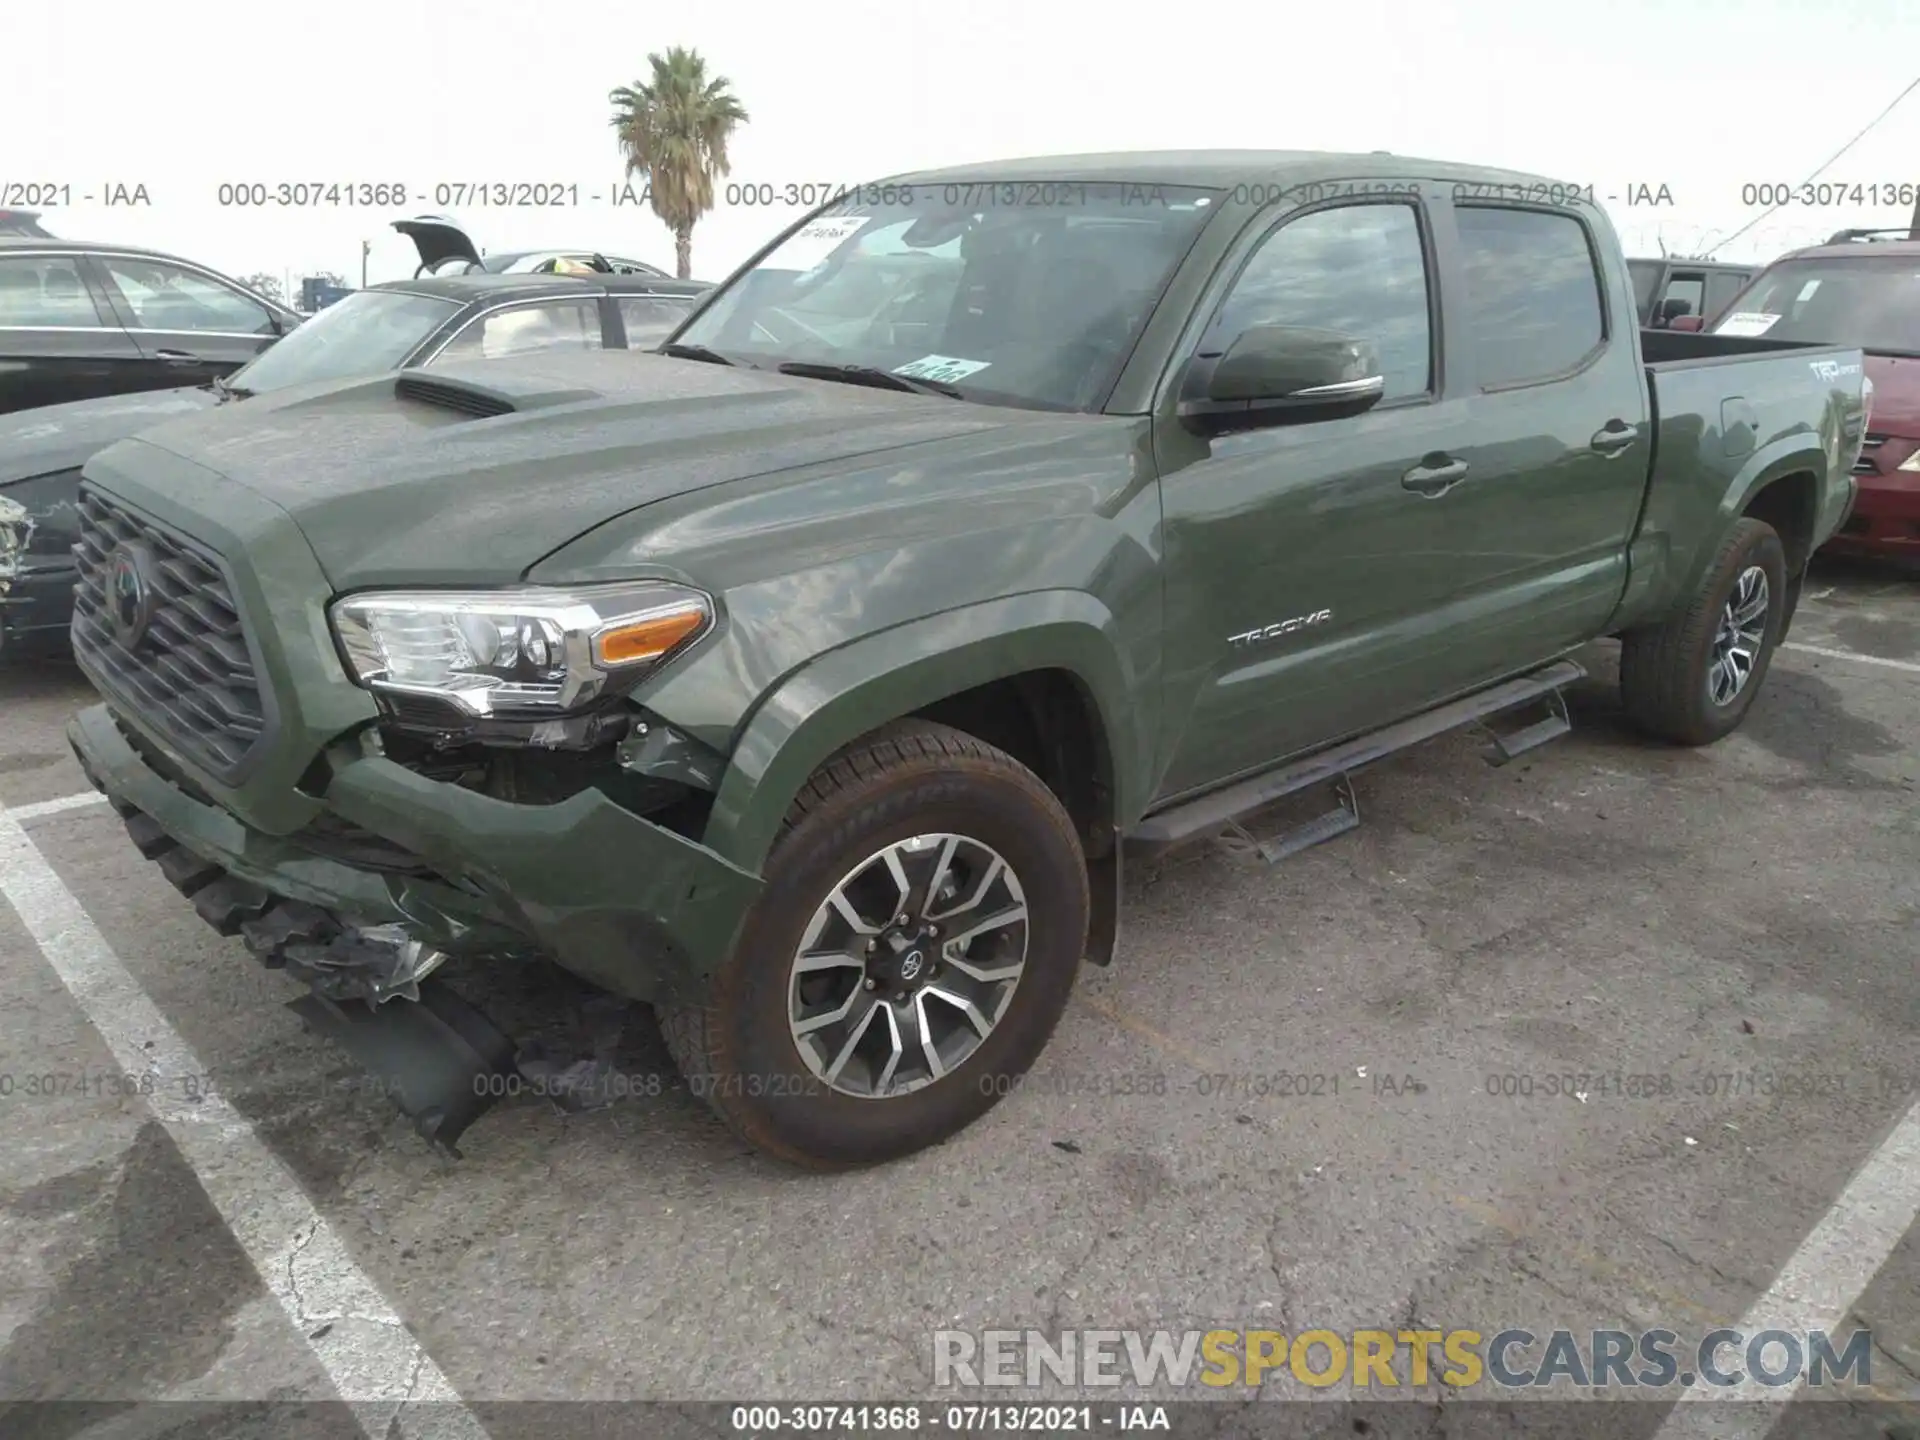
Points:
[366,842]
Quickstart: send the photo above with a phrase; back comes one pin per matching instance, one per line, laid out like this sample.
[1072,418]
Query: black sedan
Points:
[80,319]
[431,321]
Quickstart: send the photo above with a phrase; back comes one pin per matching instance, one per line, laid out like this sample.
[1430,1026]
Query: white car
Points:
[446,249]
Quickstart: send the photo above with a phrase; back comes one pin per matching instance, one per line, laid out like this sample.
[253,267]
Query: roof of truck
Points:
[1218,169]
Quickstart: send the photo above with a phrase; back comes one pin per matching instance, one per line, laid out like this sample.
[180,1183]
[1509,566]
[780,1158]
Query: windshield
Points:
[362,334]
[1030,294]
[1869,301]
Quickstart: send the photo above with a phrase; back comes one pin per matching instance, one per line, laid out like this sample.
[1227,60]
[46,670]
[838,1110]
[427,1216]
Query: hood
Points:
[473,474]
[62,437]
[1896,395]
[437,239]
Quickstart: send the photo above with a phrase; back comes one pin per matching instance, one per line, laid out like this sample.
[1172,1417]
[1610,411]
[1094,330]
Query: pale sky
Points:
[1701,96]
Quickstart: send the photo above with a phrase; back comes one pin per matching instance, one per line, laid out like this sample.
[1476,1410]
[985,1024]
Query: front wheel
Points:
[921,926]
[1692,679]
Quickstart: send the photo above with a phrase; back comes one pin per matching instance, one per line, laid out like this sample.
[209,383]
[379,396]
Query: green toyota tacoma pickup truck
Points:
[810,679]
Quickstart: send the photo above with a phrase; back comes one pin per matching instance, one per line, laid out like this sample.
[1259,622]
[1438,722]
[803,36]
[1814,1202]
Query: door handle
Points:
[1613,437]
[1434,481]
[176,357]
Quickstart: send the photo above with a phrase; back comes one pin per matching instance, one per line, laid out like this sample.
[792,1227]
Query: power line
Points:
[1912,85]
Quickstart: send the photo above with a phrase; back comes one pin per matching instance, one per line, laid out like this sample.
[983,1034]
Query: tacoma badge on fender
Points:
[1283,627]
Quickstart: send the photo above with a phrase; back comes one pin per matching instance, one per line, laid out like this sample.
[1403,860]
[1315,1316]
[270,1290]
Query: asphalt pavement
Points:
[1324,1094]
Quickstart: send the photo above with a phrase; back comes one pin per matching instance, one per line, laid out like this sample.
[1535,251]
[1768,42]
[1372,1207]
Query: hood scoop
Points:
[475,401]
[481,402]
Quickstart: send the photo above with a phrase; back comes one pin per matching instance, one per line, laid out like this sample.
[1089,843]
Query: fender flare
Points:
[1790,455]
[854,689]
[1653,589]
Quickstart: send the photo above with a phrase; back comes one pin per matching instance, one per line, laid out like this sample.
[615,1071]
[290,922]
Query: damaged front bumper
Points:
[16,533]
[625,904]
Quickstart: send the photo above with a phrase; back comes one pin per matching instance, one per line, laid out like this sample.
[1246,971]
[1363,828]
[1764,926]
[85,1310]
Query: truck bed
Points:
[1749,391]
[1716,400]
[1669,349]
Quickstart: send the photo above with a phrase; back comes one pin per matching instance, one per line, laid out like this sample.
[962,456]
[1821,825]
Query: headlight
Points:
[1912,462]
[500,651]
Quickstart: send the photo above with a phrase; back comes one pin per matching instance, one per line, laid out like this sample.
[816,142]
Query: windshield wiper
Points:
[869,375]
[229,392]
[695,352]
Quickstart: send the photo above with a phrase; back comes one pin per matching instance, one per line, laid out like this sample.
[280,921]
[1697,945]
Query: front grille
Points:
[1866,464]
[190,675]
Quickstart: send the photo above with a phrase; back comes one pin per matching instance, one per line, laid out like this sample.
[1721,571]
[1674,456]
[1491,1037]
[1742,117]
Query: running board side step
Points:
[1220,809]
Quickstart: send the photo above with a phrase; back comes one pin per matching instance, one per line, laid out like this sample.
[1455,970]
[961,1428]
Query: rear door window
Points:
[1533,297]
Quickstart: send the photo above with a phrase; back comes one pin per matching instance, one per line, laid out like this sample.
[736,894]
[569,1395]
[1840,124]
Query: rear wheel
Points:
[1693,679]
[922,923]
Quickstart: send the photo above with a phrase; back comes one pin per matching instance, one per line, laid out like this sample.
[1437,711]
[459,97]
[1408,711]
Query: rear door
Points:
[56,344]
[1556,444]
[189,324]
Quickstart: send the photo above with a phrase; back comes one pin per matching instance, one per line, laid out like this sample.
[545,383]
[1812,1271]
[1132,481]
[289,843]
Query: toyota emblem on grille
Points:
[131,596]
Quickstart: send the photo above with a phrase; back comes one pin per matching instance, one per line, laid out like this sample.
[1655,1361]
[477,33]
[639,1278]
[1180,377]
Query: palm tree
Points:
[674,131]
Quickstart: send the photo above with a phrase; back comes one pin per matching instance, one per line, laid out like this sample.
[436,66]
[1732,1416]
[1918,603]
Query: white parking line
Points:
[365,1348]
[1907,665]
[1816,1287]
[55,807]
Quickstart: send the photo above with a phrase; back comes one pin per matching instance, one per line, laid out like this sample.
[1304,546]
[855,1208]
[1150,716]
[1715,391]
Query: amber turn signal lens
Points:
[647,637]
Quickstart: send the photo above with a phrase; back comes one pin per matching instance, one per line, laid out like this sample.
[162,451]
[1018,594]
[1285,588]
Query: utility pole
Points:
[366,249]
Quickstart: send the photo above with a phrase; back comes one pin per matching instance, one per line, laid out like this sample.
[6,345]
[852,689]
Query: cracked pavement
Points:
[1281,1108]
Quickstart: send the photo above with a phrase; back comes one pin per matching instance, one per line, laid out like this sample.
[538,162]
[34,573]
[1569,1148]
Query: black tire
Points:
[733,1043]
[1663,668]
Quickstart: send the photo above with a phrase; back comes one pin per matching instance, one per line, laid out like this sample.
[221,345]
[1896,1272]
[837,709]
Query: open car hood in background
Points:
[25,224]
[438,240]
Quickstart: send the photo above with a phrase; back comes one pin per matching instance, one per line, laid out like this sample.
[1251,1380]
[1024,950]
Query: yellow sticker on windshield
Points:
[943,368]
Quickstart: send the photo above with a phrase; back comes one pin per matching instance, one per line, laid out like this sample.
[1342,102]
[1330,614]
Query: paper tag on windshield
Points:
[1747,323]
[943,368]
[813,243]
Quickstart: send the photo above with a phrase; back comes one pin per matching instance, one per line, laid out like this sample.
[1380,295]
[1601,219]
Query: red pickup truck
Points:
[1861,288]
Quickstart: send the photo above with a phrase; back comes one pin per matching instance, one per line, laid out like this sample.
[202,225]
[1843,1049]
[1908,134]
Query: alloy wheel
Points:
[908,965]
[1738,638]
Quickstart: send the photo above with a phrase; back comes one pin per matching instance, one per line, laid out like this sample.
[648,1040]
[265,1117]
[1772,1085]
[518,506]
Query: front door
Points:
[1301,573]
[189,326]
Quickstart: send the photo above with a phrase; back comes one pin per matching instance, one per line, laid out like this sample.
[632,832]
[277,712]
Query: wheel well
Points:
[1047,721]
[1790,505]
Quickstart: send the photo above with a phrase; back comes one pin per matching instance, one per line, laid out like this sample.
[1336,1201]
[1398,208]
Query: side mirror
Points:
[1689,323]
[1280,375]
[1672,309]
